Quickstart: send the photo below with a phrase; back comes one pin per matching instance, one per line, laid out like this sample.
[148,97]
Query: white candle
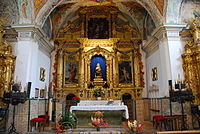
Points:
[179,78]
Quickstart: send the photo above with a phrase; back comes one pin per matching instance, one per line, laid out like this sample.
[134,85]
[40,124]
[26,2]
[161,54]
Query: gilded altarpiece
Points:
[191,60]
[75,58]
[7,61]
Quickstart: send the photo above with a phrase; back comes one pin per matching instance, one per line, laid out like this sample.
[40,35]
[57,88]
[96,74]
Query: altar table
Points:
[101,108]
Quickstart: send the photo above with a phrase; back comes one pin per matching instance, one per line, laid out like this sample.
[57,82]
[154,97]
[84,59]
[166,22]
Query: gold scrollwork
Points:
[7,61]
[191,63]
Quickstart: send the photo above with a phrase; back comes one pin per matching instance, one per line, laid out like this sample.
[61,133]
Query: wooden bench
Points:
[180,132]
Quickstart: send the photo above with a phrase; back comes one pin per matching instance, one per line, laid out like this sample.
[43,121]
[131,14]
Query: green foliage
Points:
[67,120]
[99,92]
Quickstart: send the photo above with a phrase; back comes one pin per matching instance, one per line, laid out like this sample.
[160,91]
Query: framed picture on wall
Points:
[71,72]
[154,74]
[42,74]
[71,67]
[125,72]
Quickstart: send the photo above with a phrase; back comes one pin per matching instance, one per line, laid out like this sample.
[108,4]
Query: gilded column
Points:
[111,74]
[115,71]
[86,73]
[60,69]
[86,26]
[83,26]
[82,68]
[136,69]
[113,20]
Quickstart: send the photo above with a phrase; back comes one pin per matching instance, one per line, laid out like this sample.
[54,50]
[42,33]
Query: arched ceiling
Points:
[8,12]
[132,11]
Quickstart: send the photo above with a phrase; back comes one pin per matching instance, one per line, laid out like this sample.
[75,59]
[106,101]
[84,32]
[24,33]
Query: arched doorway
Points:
[69,101]
[70,96]
[127,99]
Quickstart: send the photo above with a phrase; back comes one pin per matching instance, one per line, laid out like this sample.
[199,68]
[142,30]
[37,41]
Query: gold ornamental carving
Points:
[7,61]
[98,42]
[191,61]
[120,47]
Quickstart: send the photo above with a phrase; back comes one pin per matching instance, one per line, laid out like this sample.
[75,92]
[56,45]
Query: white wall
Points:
[151,62]
[26,62]
[43,62]
[30,58]
[167,58]
[176,50]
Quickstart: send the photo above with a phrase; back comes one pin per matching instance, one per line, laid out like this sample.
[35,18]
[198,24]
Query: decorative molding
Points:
[30,31]
[173,31]
[98,42]
[167,31]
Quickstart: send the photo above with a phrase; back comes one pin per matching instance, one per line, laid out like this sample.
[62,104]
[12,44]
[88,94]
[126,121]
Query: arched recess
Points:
[126,96]
[87,56]
[70,96]
[127,99]
[69,101]
[98,59]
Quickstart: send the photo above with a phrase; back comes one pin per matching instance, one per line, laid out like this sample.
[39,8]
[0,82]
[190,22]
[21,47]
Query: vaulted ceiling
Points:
[59,12]
[135,12]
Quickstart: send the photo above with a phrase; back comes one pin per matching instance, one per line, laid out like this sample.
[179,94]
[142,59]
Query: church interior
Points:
[100,66]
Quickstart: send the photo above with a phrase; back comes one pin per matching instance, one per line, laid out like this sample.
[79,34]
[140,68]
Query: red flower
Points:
[59,129]
[96,122]
[76,98]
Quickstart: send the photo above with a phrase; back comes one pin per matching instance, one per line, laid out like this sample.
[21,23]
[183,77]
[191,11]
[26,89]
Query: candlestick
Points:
[179,78]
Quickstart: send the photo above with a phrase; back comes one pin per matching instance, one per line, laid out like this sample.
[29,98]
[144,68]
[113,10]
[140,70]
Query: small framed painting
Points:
[42,74]
[154,74]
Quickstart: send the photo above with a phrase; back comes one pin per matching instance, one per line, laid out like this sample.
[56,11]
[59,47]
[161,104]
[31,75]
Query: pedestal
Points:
[98,81]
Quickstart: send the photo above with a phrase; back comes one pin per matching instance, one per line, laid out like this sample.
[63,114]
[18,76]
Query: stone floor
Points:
[114,129]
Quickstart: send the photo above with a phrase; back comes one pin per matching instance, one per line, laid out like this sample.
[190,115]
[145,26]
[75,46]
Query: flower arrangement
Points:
[75,100]
[67,120]
[99,92]
[97,122]
[135,126]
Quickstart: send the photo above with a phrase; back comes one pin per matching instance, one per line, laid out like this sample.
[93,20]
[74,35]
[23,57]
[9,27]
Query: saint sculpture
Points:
[98,73]
[98,80]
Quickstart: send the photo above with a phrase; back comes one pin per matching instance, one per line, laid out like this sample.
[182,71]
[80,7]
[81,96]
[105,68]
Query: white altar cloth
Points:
[101,107]
[99,102]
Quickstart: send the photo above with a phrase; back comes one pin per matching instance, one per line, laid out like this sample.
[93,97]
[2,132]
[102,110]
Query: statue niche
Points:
[98,70]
